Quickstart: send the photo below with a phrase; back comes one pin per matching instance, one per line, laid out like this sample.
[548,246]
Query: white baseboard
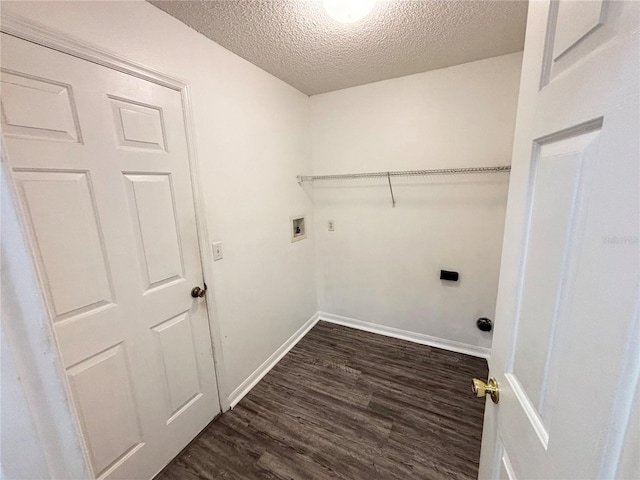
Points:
[451,345]
[246,386]
[420,338]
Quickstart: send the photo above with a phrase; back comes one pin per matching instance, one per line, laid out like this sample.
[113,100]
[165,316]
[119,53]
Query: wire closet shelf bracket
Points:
[405,173]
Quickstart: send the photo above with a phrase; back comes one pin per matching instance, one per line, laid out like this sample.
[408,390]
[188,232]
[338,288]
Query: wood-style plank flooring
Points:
[350,405]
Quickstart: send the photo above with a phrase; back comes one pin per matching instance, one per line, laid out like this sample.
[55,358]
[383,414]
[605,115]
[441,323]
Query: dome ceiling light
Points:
[348,11]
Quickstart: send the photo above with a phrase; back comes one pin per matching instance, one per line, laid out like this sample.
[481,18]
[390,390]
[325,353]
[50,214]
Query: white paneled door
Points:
[101,166]
[566,348]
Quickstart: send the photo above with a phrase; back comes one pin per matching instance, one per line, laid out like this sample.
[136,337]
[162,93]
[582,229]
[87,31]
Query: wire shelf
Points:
[406,173]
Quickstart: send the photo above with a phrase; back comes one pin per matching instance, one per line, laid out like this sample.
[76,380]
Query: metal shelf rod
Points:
[406,173]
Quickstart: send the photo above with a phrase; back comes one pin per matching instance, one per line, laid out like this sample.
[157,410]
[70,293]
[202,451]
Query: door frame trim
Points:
[57,40]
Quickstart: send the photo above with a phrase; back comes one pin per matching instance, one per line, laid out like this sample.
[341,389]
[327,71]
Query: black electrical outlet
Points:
[447,275]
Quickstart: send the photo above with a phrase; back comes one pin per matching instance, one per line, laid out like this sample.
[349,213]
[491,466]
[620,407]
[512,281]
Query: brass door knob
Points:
[481,389]
[197,292]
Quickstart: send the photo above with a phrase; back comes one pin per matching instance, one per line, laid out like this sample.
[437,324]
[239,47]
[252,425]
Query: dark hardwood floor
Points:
[351,405]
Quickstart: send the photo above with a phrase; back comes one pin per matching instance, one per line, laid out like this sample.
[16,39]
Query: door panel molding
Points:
[57,120]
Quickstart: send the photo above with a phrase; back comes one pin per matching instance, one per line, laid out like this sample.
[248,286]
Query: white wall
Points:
[252,140]
[382,265]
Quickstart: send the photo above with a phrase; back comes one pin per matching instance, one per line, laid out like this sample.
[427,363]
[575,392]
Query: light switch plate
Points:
[217,251]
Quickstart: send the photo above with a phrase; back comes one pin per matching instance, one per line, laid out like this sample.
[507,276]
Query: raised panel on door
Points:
[105,400]
[153,215]
[176,343]
[560,164]
[54,118]
[575,28]
[575,20]
[138,125]
[63,218]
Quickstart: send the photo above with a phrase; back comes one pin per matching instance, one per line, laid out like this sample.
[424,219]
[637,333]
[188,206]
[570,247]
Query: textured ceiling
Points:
[296,41]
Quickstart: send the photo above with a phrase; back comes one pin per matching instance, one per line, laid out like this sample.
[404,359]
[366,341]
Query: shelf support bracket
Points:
[393,199]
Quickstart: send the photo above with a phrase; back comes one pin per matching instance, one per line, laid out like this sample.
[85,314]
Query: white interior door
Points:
[101,165]
[565,352]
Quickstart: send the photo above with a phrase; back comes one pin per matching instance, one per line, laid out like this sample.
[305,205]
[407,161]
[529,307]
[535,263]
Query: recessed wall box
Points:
[298,228]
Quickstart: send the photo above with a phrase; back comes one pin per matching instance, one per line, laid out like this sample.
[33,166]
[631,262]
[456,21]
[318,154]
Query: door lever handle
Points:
[197,292]
[481,389]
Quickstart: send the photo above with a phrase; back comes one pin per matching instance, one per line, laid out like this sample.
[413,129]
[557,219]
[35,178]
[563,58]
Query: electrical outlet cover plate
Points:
[331,225]
[217,251]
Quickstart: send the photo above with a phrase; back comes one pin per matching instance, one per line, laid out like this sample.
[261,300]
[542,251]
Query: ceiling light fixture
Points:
[348,11]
